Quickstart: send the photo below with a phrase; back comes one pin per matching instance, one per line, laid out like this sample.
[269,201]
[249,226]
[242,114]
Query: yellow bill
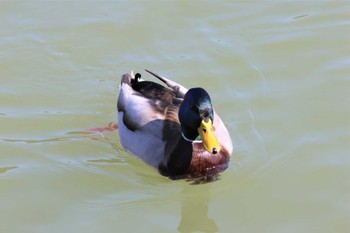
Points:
[209,140]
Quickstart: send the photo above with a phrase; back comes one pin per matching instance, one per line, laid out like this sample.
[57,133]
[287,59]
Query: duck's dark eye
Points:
[204,130]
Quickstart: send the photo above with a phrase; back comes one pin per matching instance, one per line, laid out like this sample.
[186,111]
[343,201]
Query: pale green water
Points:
[278,74]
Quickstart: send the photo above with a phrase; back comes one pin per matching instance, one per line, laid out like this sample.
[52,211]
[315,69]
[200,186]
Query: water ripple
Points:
[6,169]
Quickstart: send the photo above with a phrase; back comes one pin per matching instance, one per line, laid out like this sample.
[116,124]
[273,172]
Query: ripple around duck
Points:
[31,141]
[6,169]
[68,136]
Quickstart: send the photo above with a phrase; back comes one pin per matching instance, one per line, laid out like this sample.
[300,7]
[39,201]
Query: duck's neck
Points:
[190,137]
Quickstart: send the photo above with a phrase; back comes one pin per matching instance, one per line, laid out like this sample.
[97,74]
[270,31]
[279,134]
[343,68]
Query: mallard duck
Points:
[173,129]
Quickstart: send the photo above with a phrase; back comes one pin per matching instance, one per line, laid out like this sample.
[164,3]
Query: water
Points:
[278,74]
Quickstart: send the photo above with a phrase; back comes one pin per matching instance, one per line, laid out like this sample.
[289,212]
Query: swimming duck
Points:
[171,128]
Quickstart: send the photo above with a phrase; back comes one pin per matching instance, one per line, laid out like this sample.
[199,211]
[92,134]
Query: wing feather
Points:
[179,90]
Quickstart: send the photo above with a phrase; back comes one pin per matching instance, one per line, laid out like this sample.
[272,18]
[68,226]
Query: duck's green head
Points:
[196,116]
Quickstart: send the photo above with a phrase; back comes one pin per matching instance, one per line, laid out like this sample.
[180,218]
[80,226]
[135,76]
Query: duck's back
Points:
[145,111]
[153,90]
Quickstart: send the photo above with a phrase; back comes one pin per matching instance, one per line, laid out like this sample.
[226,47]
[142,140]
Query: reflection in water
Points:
[194,211]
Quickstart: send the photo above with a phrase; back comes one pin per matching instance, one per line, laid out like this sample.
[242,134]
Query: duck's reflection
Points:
[194,210]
